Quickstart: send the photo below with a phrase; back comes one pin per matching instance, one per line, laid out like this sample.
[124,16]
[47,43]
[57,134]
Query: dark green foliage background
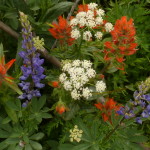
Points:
[40,13]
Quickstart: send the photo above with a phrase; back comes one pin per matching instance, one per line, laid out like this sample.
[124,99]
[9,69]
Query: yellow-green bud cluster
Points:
[24,21]
[75,134]
[145,86]
[38,43]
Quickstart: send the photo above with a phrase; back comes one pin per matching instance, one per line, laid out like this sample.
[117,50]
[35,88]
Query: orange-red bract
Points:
[123,28]
[83,8]
[123,42]
[60,108]
[62,31]
[107,108]
[55,84]
[4,68]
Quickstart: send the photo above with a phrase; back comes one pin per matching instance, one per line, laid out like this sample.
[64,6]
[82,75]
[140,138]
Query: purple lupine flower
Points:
[31,69]
[138,120]
[146,97]
[141,104]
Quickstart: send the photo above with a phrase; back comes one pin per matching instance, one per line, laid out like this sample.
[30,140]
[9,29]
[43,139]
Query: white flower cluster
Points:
[75,134]
[90,19]
[75,76]
[108,27]
[38,43]
[100,86]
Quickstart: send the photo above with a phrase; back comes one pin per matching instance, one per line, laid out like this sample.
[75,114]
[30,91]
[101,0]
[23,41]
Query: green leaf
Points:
[12,105]
[11,113]
[138,138]
[4,134]
[46,115]
[65,147]
[41,101]
[37,136]
[73,109]
[6,120]
[28,147]
[12,147]
[82,146]
[12,140]
[1,50]
[36,145]
[34,104]
[111,69]
[3,145]
[57,10]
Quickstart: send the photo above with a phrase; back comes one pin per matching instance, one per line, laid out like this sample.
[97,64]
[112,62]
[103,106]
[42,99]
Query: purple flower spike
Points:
[31,69]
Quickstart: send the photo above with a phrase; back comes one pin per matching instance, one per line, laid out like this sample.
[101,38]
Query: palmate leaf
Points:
[86,136]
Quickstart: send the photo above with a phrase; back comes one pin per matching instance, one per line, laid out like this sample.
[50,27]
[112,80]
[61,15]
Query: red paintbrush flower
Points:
[62,31]
[60,107]
[83,8]
[3,70]
[107,108]
[123,28]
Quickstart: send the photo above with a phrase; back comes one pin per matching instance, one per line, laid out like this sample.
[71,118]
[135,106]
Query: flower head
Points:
[4,68]
[60,107]
[75,134]
[107,108]
[62,31]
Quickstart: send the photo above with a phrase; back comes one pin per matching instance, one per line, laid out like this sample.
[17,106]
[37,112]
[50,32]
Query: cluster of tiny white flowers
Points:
[90,19]
[92,6]
[87,35]
[108,27]
[100,86]
[38,43]
[75,34]
[99,35]
[75,134]
[75,76]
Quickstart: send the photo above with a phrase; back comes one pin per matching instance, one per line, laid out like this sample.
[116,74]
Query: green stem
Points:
[110,133]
